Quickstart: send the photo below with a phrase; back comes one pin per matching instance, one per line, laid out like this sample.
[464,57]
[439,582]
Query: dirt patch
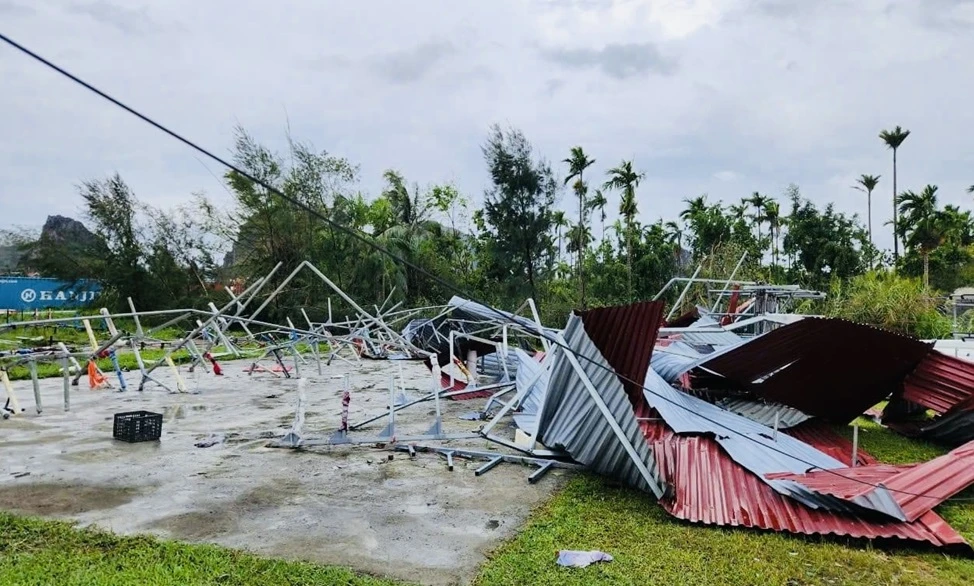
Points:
[197,524]
[268,496]
[62,499]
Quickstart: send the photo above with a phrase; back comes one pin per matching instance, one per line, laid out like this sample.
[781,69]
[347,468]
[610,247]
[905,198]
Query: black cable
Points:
[362,237]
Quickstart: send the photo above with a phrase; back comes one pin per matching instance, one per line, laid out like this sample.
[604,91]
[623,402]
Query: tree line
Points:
[519,243]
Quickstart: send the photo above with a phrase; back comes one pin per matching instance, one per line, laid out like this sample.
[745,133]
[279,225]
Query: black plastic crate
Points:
[137,426]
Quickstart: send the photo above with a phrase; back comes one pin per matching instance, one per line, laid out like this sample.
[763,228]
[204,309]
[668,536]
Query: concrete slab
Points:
[350,505]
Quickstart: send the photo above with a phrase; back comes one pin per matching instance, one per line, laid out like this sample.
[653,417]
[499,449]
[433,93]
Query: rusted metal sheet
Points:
[710,488]
[940,382]
[917,489]
[827,368]
[625,336]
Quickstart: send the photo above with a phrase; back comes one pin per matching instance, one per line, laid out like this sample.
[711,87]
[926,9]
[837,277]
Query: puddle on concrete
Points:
[62,499]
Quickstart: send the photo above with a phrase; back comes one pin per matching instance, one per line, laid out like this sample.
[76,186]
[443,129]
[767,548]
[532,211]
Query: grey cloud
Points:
[552,86]
[620,61]
[15,9]
[412,64]
[124,19]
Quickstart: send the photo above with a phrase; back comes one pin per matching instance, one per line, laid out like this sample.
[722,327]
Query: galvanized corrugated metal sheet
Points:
[710,488]
[492,365]
[824,438]
[625,336]
[710,337]
[570,419]
[674,360]
[765,413]
[756,447]
[464,308]
[940,382]
[533,397]
[917,489]
[824,367]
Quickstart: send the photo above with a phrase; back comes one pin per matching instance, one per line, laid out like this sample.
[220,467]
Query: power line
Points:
[363,238]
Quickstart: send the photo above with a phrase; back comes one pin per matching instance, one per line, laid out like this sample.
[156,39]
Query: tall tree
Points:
[598,202]
[868,183]
[577,163]
[893,139]
[758,202]
[970,189]
[517,209]
[922,224]
[560,221]
[772,213]
[624,179]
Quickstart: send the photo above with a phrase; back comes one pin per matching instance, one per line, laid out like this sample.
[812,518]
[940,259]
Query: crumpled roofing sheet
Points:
[710,488]
[759,450]
[533,397]
[625,336]
[828,368]
[570,419]
[764,413]
[917,488]
[940,382]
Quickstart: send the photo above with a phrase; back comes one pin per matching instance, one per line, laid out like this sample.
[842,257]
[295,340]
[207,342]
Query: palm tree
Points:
[772,213]
[560,221]
[759,202]
[598,202]
[923,224]
[738,211]
[970,189]
[577,163]
[695,207]
[868,183]
[626,180]
[893,139]
[674,233]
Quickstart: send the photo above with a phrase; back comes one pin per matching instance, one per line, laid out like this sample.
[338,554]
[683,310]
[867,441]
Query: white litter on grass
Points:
[580,559]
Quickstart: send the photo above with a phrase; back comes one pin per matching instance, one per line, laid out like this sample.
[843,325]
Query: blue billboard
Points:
[19,293]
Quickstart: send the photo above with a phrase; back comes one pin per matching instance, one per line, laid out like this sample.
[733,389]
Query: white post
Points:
[855,443]
[67,384]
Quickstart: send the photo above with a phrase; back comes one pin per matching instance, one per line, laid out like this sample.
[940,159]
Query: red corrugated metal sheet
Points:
[829,368]
[625,335]
[940,382]
[917,488]
[711,488]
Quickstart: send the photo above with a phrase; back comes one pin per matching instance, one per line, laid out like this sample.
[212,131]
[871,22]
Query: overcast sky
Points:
[723,97]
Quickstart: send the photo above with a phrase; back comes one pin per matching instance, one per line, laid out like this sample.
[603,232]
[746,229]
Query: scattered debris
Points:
[581,559]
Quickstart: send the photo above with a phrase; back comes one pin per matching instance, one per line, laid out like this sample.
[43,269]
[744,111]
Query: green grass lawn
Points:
[55,553]
[648,545]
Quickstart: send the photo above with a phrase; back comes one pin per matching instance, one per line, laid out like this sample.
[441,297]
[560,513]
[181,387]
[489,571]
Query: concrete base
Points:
[349,505]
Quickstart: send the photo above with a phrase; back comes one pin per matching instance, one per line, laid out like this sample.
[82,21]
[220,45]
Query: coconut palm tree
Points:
[626,180]
[868,183]
[893,139]
[922,226]
[970,189]
[577,163]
